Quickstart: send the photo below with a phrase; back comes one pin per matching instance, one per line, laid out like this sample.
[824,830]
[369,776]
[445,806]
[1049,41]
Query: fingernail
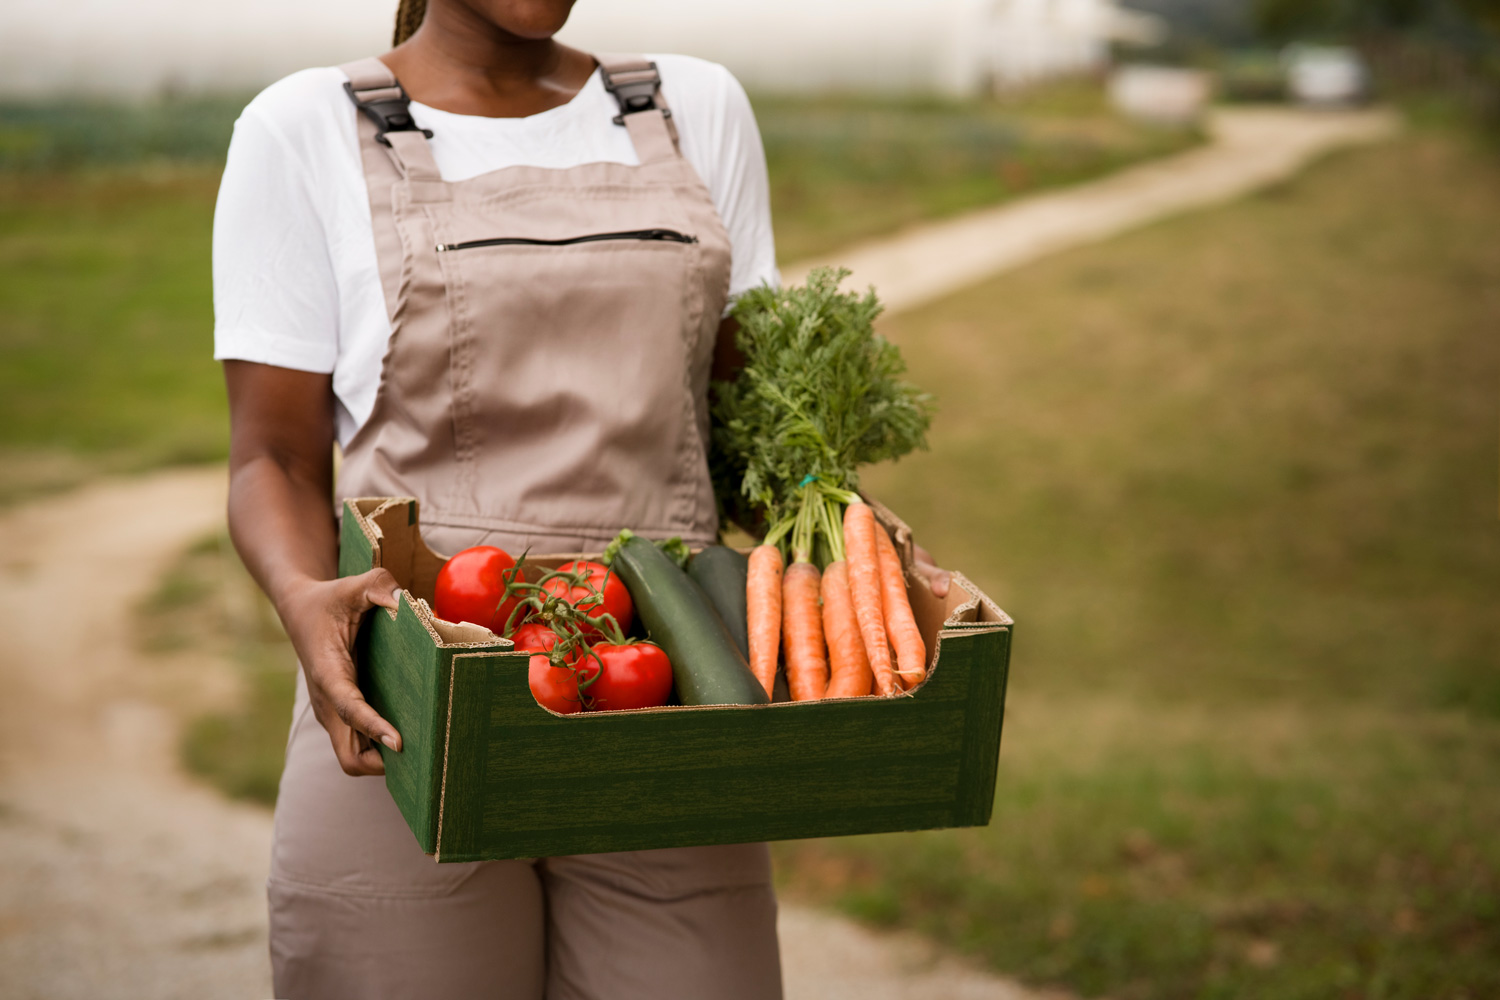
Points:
[389,741]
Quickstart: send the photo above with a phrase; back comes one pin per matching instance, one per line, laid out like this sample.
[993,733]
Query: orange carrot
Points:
[763,612]
[802,632]
[849,668]
[900,623]
[864,592]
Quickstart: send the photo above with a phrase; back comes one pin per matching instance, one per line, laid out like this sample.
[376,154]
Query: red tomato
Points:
[638,675]
[555,687]
[534,637]
[470,585]
[616,600]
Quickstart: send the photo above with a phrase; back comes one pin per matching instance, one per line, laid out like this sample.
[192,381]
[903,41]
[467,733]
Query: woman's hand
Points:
[322,618]
[280,485]
[938,579]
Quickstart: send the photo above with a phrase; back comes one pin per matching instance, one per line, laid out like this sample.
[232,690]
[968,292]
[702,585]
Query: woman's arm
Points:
[281,520]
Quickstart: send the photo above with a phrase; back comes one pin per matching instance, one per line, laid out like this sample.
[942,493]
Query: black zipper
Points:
[666,235]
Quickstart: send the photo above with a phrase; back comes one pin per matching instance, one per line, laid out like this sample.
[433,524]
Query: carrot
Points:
[849,668]
[864,592]
[763,612]
[802,632]
[900,623]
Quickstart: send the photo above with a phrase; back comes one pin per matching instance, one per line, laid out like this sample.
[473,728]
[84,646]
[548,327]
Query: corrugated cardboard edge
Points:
[370,528]
[980,600]
[967,613]
[366,524]
[437,843]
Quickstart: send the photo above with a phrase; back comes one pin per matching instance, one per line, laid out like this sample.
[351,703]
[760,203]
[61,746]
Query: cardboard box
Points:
[485,772]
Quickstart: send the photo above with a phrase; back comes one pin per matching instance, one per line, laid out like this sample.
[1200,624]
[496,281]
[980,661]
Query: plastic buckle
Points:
[636,96]
[390,115]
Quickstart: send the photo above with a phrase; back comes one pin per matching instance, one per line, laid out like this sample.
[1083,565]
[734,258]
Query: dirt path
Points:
[1250,149]
[120,877]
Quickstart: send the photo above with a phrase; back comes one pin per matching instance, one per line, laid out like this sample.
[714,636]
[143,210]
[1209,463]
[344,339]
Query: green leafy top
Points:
[820,395]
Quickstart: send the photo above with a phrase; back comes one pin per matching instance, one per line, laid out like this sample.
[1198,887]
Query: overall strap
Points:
[636,85]
[392,150]
[386,119]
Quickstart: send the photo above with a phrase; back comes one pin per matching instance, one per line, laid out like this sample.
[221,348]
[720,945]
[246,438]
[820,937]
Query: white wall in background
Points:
[145,46]
[1168,95]
[785,44]
[140,47]
[959,46]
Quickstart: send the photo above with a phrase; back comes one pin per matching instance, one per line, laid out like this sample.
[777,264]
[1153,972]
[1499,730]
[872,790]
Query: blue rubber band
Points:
[809,478]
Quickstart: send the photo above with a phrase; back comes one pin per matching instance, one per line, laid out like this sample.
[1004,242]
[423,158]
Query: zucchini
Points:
[707,665]
[722,572]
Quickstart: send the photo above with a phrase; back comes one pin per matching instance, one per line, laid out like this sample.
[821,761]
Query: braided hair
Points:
[408,19]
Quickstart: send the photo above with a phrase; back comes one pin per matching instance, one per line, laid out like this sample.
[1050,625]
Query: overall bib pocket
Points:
[577,357]
[644,235]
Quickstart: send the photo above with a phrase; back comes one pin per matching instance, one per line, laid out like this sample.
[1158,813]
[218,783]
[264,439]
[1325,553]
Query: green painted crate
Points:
[485,772]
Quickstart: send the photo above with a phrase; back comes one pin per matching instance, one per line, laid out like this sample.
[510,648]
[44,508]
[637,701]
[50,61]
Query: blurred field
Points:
[1235,476]
[108,317]
[106,213]
[207,603]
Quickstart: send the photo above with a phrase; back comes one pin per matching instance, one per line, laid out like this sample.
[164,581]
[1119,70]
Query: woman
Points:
[497,284]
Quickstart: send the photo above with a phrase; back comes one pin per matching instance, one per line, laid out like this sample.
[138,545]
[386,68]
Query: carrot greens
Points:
[821,394]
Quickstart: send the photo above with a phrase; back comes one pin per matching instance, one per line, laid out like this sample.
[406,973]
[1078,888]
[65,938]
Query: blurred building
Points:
[143,47]
[1326,76]
[954,46]
[1165,95]
[957,46]
[1010,43]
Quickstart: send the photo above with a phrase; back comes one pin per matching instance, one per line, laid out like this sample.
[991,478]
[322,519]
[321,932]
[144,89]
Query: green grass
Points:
[68,134]
[1236,477]
[106,343]
[206,602]
[241,752]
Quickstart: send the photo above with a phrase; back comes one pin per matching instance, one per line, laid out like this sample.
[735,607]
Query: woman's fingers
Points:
[357,714]
[379,587]
[937,578]
[352,724]
[328,621]
[357,756]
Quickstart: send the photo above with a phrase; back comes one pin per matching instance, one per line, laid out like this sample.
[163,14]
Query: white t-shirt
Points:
[296,282]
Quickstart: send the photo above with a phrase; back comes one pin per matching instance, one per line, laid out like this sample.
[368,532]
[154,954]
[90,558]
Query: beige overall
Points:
[543,391]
